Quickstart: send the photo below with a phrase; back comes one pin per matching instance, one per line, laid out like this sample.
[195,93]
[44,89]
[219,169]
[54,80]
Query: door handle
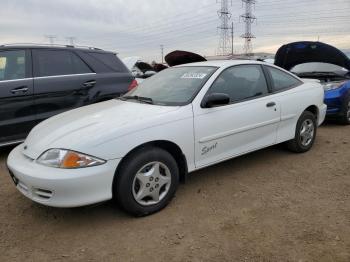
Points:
[20,89]
[90,83]
[271,104]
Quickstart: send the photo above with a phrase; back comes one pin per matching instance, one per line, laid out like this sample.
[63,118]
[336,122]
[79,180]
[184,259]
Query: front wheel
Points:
[305,133]
[146,181]
[345,118]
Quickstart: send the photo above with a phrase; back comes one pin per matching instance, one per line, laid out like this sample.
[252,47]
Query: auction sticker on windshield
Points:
[194,75]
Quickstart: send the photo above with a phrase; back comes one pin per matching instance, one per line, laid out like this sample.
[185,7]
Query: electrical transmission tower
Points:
[71,40]
[51,38]
[225,17]
[248,19]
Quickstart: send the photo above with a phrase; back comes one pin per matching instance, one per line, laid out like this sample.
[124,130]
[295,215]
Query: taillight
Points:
[132,85]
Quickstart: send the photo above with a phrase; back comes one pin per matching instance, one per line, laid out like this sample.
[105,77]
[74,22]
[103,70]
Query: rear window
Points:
[58,62]
[110,60]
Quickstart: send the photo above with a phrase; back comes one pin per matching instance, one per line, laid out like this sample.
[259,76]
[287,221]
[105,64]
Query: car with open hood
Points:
[329,65]
[136,148]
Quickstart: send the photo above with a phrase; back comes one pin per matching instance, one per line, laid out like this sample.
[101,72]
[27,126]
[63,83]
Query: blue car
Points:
[337,98]
[329,65]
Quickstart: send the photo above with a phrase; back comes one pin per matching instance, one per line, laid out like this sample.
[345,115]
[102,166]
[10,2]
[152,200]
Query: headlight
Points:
[332,86]
[61,158]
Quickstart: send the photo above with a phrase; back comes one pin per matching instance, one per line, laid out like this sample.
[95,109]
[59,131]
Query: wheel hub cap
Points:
[151,183]
[307,132]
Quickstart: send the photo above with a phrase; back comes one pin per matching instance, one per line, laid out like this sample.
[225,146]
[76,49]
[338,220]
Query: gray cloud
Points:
[138,27]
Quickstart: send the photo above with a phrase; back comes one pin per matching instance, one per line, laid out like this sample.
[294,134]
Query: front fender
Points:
[179,132]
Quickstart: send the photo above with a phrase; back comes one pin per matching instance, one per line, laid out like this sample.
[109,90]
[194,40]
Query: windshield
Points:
[317,67]
[172,87]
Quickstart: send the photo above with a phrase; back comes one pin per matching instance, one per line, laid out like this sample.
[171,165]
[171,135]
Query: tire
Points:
[345,118]
[148,172]
[306,125]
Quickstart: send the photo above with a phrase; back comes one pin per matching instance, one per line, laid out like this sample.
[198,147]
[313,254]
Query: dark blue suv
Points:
[37,82]
[326,63]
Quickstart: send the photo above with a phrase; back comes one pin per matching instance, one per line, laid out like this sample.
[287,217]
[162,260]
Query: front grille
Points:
[42,193]
[22,187]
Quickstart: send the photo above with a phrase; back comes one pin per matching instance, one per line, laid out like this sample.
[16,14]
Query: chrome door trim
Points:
[44,77]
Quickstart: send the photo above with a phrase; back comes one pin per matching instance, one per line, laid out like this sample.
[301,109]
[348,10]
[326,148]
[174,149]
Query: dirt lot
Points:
[271,205]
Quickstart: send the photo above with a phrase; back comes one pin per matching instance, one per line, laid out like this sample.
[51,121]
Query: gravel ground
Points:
[271,205]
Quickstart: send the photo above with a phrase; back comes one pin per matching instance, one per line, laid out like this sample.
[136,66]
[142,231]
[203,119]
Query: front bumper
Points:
[61,187]
[322,114]
[335,99]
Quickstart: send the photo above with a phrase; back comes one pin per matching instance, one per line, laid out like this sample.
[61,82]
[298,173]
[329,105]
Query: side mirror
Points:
[216,99]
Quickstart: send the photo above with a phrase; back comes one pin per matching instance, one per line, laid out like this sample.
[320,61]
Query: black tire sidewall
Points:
[122,187]
[305,116]
[344,119]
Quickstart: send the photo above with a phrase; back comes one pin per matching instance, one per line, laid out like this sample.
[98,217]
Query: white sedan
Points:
[137,148]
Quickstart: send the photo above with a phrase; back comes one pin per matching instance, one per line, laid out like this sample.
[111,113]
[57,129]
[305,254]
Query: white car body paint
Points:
[110,130]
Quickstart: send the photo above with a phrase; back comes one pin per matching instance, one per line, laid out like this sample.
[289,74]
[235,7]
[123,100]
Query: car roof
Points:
[225,63]
[44,46]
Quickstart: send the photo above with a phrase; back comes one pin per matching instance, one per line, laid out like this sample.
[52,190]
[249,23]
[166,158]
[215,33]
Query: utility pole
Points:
[248,19]
[225,16]
[162,52]
[51,38]
[71,40]
[232,39]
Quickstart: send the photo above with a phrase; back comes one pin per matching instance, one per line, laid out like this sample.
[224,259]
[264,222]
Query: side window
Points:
[12,65]
[58,62]
[109,60]
[241,82]
[282,80]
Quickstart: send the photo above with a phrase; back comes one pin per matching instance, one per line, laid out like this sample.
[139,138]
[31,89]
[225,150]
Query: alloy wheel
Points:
[307,132]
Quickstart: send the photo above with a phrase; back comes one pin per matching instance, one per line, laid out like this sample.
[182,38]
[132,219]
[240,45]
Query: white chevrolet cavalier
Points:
[137,148]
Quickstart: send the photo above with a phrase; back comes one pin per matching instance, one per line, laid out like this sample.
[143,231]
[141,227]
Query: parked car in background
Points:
[140,70]
[37,82]
[135,149]
[326,63]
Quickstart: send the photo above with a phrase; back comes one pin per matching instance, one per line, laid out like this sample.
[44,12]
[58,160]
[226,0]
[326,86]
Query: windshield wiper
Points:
[142,99]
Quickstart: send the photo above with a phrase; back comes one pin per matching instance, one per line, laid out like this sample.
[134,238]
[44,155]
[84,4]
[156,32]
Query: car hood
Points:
[93,125]
[159,67]
[182,57]
[144,67]
[290,55]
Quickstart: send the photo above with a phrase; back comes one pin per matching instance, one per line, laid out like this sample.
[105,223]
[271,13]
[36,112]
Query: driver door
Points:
[248,123]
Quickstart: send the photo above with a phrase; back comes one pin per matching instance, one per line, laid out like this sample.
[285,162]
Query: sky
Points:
[139,27]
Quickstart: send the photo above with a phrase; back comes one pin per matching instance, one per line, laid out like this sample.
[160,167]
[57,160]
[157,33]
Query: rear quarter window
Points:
[110,60]
[282,80]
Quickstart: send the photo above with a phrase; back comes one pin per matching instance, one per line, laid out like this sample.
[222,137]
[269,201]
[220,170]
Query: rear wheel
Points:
[345,118]
[146,181]
[305,133]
